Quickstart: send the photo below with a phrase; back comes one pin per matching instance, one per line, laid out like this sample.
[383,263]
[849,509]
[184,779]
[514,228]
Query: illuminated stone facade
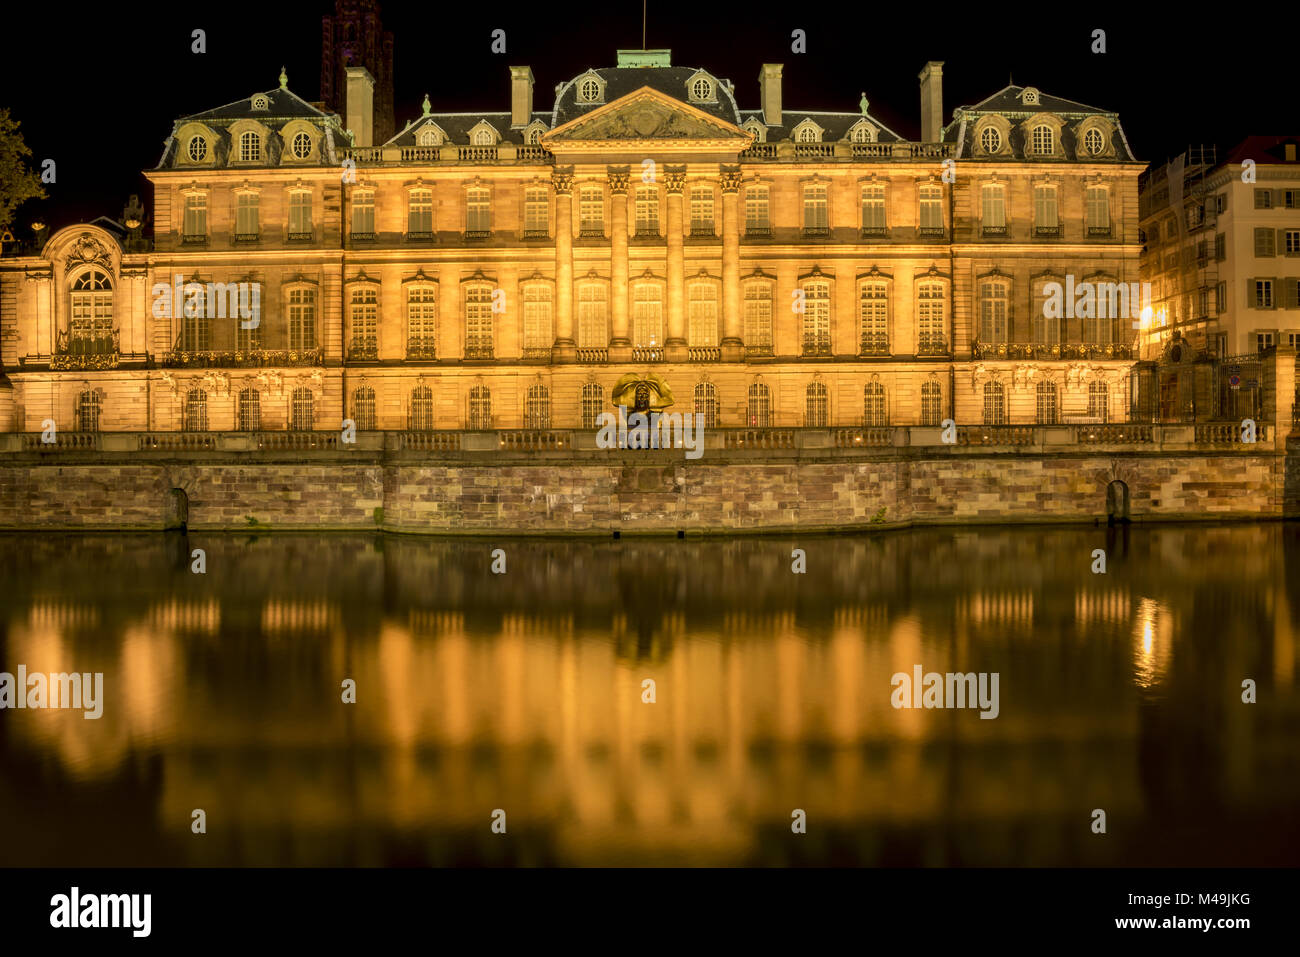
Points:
[776,267]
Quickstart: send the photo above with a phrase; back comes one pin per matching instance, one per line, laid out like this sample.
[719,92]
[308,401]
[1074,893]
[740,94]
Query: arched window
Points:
[702,314]
[816,406]
[706,405]
[421,321]
[483,138]
[534,137]
[302,319]
[931,403]
[1047,403]
[363,409]
[538,337]
[993,312]
[758,318]
[90,326]
[593,404]
[480,408]
[816,318]
[428,137]
[1043,140]
[1099,401]
[196,329]
[760,406]
[537,407]
[647,315]
[195,411]
[930,319]
[249,412]
[995,406]
[250,147]
[478,322]
[88,408]
[302,410]
[701,89]
[593,315]
[421,416]
[861,134]
[807,135]
[875,410]
[873,316]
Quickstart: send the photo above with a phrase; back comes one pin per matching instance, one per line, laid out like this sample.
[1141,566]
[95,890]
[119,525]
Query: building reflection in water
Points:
[772,692]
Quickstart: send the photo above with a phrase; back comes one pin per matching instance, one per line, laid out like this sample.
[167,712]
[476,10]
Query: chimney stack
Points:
[932,102]
[769,85]
[361,106]
[521,97]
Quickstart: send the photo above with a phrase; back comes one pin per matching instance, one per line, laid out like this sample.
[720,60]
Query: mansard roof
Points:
[835,126]
[282,103]
[1011,103]
[620,81]
[457,126]
[1009,100]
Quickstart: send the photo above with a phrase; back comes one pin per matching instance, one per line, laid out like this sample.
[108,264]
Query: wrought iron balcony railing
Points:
[234,358]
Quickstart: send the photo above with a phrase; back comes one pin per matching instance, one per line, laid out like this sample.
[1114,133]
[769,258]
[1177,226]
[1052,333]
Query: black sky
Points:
[100,100]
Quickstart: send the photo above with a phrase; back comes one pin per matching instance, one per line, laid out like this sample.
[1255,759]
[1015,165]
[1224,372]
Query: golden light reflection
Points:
[1152,643]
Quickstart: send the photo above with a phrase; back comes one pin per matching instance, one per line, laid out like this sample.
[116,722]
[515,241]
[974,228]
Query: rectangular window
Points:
[1263,199]
[421,322]
[817,319]
[702,315]
[365,325]
[591,211]
[196,216]
[1264,245]
[758,318]
[701,210]
[1293,242]
[363,214]
[478,322]
[593,311]
[930,319]
[1045,209]
[302,319]
[873,209]
[478,213]
[419,214]
[931,209]
[1263,294]
[815,214]
[1291,198]
[757,222]
[537,320]
[246,224]
[994,213]
[1220,202]
[1263,340]
[1098,211]
[1220,247]
[647,211]
[1221,298]
[536,211]
[300,215]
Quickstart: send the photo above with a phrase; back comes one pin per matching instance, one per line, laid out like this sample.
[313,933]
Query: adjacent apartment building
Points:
[768,265]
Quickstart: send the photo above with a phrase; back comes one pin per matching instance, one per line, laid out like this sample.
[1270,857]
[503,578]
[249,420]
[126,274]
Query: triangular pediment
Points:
[646,117]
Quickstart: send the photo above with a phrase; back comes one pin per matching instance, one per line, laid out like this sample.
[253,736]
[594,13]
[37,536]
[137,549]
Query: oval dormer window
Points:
[701,89]
[197,149]
[1093,142]
[991,140]
[589,91]
[301,145]
[260,102]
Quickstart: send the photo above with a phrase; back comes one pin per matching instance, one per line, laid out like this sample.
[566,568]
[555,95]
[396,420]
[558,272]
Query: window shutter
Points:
[1250,292]
[1278,198]
[1280,242]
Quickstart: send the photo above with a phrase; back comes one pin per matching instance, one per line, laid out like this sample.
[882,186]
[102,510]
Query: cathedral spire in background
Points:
[355,36]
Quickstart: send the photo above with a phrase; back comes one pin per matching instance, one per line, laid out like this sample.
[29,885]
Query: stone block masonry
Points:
[651,492]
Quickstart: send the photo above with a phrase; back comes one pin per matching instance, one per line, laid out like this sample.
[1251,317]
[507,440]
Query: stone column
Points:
[733,348]
[620,346]
[564,350]
[675,342]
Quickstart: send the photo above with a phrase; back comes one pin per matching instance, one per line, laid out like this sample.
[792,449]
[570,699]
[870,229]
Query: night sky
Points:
[100,101]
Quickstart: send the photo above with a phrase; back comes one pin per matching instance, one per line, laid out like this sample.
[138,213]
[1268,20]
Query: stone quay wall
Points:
[760,481]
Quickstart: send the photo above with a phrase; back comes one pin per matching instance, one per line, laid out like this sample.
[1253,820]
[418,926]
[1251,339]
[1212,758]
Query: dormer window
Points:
[1093,142]
[589,91]
[197,150]
[807,135]
[427,137]
[534,136]
[260,102]
[250,147]
[991,140]
[759,131]
[483,138]
[701,89]
[1043,141]
[862,133]
[1029,96]
[301,145]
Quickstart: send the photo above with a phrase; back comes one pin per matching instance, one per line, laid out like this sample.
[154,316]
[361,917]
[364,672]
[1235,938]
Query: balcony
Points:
[535,352]
[478,234]
[816,232]
[813,150]
[816,346]
[647,232]
[931,345]
[241,359]
[759,151]
[703,231]
[758,350]
[1099,232]
[936,232]
[86,354]
[703,354]
[362,237]
[993,232]
[874,344]
[1039,350]
[419,235]
[194,239]
[301,237]
[875,232]
[363,350]
[591,232]
[246,237]
[647,354]
[1047,232]
[589,354]
[422,348]
[476,154]
[537,234]
[758,232]
[478,350]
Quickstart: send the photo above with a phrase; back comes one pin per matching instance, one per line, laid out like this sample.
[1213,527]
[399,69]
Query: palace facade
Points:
[774,267]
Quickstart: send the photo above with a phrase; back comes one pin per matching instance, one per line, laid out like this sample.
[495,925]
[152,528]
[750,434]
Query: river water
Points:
[522,698]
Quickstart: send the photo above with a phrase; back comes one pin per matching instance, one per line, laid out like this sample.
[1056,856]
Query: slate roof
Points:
[1262,149]
[458,125]
[620,81]
[835,126]
[284,104]
[1007,102]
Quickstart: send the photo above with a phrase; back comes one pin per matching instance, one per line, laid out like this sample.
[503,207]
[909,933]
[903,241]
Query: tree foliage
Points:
[18,183]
